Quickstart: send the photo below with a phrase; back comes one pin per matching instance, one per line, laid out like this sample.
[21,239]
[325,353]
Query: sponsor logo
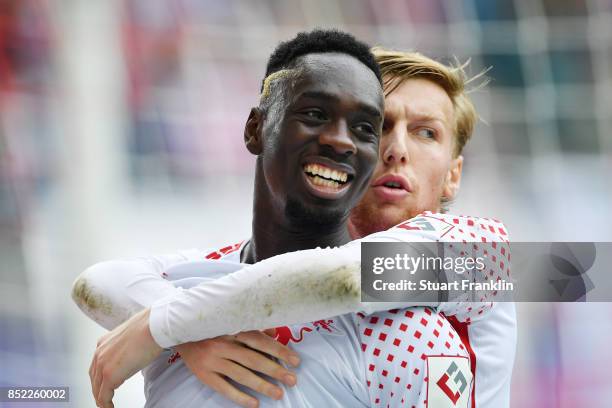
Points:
[286,334]
[450,382]
[326,326]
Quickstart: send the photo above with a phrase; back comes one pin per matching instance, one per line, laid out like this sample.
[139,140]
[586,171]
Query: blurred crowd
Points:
[121,133]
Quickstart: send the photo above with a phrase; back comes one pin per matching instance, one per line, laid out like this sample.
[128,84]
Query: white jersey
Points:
[353,360]
[487,329]
[383,359]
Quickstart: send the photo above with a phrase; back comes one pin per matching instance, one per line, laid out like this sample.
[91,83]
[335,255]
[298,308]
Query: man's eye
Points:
[314,114]
[426,133]
[366,128]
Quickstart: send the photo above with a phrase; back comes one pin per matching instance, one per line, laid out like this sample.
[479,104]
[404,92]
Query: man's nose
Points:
[338,137]
[394,147]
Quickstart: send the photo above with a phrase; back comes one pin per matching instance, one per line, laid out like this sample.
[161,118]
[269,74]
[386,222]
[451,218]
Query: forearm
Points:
[287,289]
[290,288]
[111,292]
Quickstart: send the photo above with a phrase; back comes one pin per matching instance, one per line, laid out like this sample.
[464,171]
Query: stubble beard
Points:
[307,218]
[368,219]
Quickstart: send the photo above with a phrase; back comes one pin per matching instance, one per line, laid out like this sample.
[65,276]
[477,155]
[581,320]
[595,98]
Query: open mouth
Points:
[391,187]
[393,184]
[323,176]
[326,182]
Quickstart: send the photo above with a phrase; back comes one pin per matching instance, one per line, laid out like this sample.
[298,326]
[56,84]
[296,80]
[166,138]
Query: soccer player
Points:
[428,120]
[372,352]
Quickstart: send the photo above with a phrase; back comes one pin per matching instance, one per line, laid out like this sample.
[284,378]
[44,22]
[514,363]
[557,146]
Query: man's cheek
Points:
[432,190]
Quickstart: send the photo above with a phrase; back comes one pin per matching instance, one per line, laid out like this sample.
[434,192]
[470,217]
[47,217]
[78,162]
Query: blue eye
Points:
[426,133]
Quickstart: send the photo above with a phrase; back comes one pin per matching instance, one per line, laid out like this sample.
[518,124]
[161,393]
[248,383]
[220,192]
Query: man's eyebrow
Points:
[430,118]
[427,117]
[369,109]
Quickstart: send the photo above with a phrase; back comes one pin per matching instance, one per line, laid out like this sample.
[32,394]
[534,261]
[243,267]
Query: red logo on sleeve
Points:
[284,335]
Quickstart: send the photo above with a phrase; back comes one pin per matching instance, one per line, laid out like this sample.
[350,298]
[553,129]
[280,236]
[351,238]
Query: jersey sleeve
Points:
[482,238]
[286,289]
[111,292]
[291,288]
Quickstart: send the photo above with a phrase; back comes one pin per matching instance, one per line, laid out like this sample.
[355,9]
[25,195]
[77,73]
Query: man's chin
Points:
[390,219]
[375,217]
[308,216]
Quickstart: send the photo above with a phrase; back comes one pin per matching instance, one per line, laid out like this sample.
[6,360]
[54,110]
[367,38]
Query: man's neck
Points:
[366,220]
[269,240]
[273,234]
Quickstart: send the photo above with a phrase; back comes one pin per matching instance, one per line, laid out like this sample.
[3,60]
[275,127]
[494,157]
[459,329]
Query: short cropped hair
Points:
[398,66]
[319,41]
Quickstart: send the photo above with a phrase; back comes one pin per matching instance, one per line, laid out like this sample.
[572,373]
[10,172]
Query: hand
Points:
[237,357]
[120,354]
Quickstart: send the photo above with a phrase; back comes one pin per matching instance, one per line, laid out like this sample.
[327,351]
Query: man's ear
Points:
[253,130]
[453,178]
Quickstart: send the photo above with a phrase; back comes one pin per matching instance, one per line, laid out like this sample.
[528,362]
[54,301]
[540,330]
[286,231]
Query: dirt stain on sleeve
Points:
[85,296]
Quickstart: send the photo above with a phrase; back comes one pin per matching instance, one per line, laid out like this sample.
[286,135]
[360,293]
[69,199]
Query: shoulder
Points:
[453,227]
[225,252]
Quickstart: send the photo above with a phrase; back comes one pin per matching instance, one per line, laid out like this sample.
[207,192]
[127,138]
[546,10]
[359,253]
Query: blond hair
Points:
[398,66]
[267,83]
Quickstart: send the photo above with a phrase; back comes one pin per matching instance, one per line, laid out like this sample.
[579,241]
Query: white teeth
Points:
[317,170]
[316,180]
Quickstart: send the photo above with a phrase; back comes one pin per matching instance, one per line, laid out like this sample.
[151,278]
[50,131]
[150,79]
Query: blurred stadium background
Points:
[121,134]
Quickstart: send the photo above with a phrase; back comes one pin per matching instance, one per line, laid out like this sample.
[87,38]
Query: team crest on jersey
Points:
[295,334]
[427,223]
[450,382]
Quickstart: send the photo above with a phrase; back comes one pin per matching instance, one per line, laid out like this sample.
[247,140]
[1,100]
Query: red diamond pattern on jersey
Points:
[411,335]
[404,359]
[396,346]
[467,233]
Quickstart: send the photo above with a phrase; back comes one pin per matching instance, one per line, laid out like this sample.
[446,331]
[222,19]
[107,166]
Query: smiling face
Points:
[416,167]
[318,140]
